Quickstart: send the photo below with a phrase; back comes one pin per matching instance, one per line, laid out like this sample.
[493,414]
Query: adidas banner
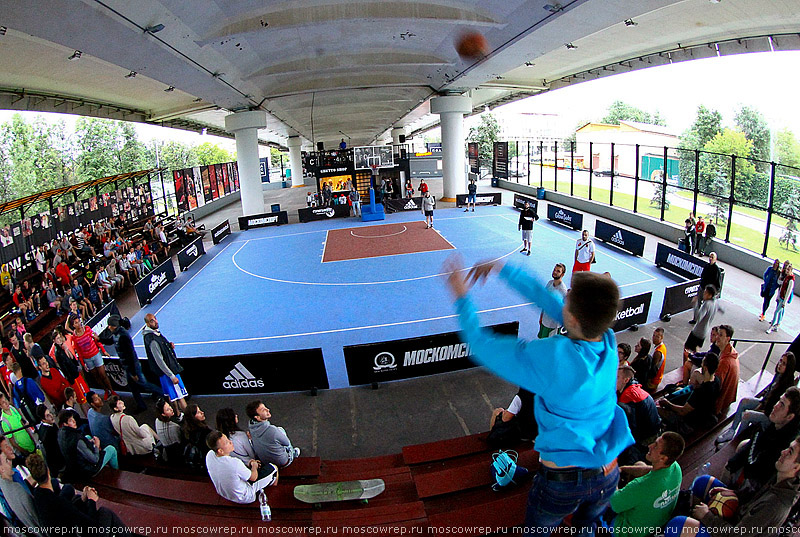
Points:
[621,238]
[190,254]
[221,231]
[495,198]
[564,216]
[309,214]
[263,220]
[414,357]
[520,199]
[405,204]
[678,297]
[632,310]
[152,284]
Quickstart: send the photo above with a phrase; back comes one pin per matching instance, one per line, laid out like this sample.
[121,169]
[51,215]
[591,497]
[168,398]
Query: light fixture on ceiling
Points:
[570,46]
[154,29]
[631,22]
[553,8]
[3,30]
[132,74]
[75,56]
[169,89]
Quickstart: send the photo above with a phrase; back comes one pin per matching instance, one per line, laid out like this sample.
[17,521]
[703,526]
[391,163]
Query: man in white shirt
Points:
[584,253]
[556,285]
[233,480]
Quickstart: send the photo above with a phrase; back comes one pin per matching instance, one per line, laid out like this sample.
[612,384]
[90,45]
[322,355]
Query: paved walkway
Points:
[361,422]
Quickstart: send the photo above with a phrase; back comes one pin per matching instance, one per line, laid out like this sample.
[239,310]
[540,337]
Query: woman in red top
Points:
[91,352]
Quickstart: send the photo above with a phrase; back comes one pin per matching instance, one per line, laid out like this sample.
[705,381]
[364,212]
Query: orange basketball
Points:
[472,46]
[724,502]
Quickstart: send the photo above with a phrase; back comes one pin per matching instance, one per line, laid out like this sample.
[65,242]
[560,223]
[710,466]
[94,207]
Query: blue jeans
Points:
[138,386]
[550,501]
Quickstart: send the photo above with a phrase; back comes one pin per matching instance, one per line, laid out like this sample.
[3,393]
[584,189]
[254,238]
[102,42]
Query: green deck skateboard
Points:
[363,490]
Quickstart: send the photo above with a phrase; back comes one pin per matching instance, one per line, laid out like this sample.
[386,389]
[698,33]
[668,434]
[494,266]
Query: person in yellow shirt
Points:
[5,278]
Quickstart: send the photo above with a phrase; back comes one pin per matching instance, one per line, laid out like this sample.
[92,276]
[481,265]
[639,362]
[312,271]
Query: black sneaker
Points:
[523,251]
[529,252]
[692,321]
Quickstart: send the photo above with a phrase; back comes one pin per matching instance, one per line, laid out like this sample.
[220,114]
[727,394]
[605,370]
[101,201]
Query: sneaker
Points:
[467,210]
[523,250]
[296,452]
[529,252]
[726,436]
[761,318]
[431,225]
[769,329]
[473,210]
[692,321]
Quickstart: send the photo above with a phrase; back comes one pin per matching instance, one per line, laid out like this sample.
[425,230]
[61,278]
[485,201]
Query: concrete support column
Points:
[396,132]
[296,161]
[244,126]
[451,110]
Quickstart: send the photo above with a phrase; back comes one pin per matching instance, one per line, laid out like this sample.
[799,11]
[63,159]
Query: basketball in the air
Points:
[724,502]
[472,46]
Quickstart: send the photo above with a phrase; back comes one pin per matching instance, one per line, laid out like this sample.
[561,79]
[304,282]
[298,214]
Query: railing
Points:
[763,341]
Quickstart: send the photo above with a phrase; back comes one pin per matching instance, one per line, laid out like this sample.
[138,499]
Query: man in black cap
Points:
[123,343]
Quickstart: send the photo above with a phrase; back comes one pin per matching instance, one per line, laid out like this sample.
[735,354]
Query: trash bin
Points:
[276,208]
[285,185]
[494,182]
[540,193]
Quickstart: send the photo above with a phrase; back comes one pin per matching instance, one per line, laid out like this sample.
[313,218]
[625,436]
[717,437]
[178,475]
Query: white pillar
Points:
[396,132]
[245,125]
[296,161]
[451,110]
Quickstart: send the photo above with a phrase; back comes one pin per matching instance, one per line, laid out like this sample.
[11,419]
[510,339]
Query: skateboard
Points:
[362,489]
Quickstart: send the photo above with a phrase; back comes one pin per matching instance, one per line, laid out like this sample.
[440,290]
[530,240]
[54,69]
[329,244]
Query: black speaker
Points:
[402,138]
[320,146]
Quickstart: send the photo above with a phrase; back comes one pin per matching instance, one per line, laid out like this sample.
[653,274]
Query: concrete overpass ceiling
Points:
[320,68]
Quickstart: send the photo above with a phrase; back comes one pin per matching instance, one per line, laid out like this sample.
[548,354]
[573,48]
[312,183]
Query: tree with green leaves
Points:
[486,133]
[791,210]
[787,149]
[622,111]
[754,126]
[208,153]
[707,124]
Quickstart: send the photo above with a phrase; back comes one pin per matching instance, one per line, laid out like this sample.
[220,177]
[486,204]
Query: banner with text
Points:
[152,284]
[678,297]
[309,214]
[680,263]
[263,220]
[622,238]
[632,310]
[220,232]
[500,160]
[565,216]
[520,199]
[404,204]
[474,161]
[495,198]
[414,357]
[190,254]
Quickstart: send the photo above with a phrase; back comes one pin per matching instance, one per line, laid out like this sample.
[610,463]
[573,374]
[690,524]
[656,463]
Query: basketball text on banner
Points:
[632,310]
[191,253]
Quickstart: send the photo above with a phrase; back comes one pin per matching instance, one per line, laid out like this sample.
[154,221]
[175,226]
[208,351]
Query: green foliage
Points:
[791,209]
[208,153]
[787,149]
[621,111]
[486,133]
[752,123]
[707,124]
[715,166]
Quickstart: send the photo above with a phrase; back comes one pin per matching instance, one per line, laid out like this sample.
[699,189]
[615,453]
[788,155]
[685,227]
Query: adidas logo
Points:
[617,238]
[410,205]
[240,377]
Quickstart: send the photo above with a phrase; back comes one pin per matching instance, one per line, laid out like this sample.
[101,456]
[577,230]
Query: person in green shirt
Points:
[646,503]
[10,419]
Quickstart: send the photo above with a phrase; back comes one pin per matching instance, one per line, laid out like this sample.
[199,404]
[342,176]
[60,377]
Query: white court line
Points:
[351,329]
[187,283]
[379,236]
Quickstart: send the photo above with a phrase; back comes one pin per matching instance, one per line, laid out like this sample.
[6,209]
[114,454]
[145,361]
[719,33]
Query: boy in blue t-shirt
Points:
[581,428]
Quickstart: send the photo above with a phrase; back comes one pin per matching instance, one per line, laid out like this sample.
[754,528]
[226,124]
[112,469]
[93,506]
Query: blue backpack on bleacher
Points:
[504,465]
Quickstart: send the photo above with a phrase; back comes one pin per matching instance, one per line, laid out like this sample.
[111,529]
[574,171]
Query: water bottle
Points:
[705,469]
[266,512]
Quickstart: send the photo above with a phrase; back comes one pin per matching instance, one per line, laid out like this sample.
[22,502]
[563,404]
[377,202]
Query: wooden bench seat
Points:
[479,507]
[445,449]
[404,514]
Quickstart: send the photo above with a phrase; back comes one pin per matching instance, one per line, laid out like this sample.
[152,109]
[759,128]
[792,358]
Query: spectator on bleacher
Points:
[689,236]
[228,424]
[32,296]
[699,410]
[704,317]
[581,428]
[94,292]
[100,424]
[67,250]
[26,394]
[129,360]
[785,294]
[18,497]
[515,423]
[753,463]
[114,276]
[161,355]
[32,353]
[623,353]
[40,259]
[233,480]
[20,302]
[19,327]
[138,439]
[145,258]
[656,373]
[647,501]
[147,229]
[18,353]
[12,420]
[48,438]
[195,430]
[693,360]
[728,370]
[642,362]
[642,414]
[91,352]
[161,234]
[126,269]
[556,285]
[168,429]
[59,506]
[5,373]
[135,262]
[83,248]
[769,286]
[108,248]
[76,292]
[51,296]
[53,382]
[71,399]
[762,515]
[69,365]
[111,286]
[753,410]
[84,456]
[270,443]
[6,281]
[64,274]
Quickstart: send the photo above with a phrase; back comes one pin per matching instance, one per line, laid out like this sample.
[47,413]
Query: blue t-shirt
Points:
[574,380]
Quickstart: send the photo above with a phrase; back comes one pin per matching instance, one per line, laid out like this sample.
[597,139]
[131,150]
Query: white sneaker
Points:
[296,452]
[769,329]
[726,436]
